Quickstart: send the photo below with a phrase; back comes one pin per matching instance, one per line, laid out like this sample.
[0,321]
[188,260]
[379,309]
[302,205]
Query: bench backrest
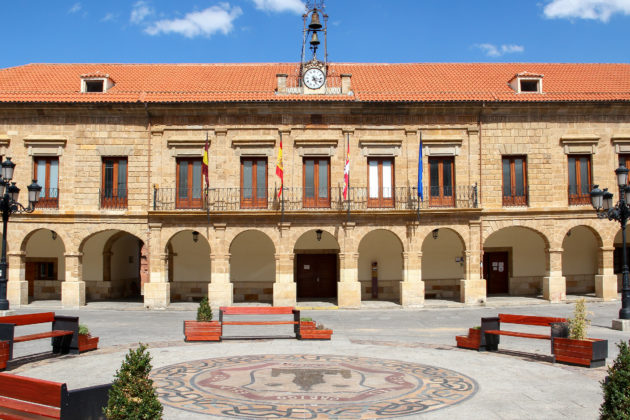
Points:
[31,395]
[255,310]
[28,319]
[543,321]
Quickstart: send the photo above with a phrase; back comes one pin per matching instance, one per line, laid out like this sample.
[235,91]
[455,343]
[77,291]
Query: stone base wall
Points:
[47,290]
[98,290]
[188,291]
[442,289]
[253,292]
[581,283]
[525,285]
[387,290]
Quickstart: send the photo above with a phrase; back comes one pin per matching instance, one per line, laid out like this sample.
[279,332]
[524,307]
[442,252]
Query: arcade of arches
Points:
[281,266]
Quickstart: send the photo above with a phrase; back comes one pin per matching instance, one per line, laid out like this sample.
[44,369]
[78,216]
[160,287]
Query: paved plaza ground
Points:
[382,362]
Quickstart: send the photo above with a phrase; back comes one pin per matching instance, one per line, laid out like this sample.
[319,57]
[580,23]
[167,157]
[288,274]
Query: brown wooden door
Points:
[317,275]
[30,272]
[495,271]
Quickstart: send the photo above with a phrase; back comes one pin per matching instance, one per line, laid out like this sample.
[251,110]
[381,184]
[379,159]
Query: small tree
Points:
[616,387]
[132,396]
[578,325]
[204,313]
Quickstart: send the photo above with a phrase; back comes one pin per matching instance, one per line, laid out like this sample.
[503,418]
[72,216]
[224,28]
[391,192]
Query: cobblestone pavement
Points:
[380,363]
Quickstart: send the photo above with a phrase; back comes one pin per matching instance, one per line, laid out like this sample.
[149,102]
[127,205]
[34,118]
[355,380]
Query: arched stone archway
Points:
[380,266]
[443,264]
[252,267]
[188,265]
[316,265]
[580,247]
[113,264]
[515,261]
[44,264]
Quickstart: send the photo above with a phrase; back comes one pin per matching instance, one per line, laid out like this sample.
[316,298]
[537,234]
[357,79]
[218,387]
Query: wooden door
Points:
[317,275]
[30,272]
[496,273]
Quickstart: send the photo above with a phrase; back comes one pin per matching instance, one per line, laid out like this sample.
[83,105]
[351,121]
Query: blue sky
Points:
[209,31]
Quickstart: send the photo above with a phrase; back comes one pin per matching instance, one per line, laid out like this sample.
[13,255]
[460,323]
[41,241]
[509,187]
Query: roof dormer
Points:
[526,82]
[96,83]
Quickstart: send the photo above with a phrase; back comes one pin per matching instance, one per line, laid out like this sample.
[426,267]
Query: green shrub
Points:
[204,313]
[83,329]
[578,325]
[132,396]
[616,387]
[306,319]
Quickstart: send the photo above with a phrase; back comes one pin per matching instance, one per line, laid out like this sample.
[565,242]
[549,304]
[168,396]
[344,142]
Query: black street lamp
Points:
[603,204]
[8,204]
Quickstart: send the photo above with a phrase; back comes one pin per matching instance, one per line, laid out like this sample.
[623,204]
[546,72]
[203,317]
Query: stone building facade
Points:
[125,213]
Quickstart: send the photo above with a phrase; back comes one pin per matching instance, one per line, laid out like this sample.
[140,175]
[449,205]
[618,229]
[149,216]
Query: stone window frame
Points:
[316,146]
[372,146]
[187,146]
[580,144]
[254,146]
[621,143]
[43,145]
[442,145]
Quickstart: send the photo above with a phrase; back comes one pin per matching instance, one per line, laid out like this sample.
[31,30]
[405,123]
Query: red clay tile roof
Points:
[427,82]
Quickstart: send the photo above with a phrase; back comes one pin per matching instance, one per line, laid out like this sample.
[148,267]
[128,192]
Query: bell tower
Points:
[313,71]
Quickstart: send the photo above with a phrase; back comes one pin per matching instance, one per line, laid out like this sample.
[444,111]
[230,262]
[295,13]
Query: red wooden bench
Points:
[256,310]
[491,328]
[30,398]
[64,331]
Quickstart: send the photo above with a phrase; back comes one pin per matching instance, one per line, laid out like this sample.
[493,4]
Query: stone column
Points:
[606,279]
[73,288]
[554,284]
[412,286]
[349,288]
[157,293]
[220,290]
[284,289]
[17,286]
[472,289]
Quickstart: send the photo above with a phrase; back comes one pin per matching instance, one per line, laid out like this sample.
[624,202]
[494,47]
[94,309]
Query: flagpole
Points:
[207,156]
[348,186]
[420,169]
[282,184]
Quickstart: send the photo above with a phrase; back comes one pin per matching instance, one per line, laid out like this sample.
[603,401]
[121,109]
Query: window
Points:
[254,183]
[189,190]
[47,175]
[316,182]
[579,179]
[514,181]
[529,86]
[114,183]
[624,159]
[381,182]
[94,86]
[46,271]
[441,173]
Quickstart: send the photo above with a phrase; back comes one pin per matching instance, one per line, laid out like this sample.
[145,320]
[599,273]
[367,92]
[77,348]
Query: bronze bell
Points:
[315,40]
[315,24]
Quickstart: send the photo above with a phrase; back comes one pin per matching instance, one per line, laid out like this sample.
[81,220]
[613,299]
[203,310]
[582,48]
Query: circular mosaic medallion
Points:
[309,387]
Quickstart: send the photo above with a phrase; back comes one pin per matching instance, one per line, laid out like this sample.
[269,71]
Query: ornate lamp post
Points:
[603,204]
[8,205]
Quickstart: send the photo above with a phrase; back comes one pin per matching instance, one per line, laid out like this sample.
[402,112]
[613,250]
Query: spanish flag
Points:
[204,162]
[280,169]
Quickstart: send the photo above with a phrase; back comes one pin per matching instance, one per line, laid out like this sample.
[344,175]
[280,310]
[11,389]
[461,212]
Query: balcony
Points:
[293,199]
[48,198]
[579,196]
[517,199]
[113,198]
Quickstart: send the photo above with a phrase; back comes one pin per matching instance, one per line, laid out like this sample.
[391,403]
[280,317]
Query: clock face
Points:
[314,78]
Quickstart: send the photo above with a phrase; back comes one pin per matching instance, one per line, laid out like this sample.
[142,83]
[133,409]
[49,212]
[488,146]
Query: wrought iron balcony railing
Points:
[578,196]
[113,198]
[300,199]
[517,198]
[48,198]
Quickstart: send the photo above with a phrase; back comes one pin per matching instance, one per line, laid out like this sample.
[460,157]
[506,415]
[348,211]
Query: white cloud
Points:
[140,11]
[295,6]
[108,17]
[76,7]
[204,23]
[492,50]
[586,9]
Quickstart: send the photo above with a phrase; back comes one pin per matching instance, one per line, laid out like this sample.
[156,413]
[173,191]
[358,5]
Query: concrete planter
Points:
[590,352]
[202,331]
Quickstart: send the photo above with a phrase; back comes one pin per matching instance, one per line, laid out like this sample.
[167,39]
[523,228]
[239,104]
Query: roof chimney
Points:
[282,83]
[346,86]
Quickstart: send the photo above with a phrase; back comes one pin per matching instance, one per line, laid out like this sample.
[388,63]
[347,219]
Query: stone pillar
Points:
[472,289]
[349,288]
[73,288]
[220,290]
[606,279]
[17,286]
[412,286]
[554,284]
[284,289]
[157,293]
